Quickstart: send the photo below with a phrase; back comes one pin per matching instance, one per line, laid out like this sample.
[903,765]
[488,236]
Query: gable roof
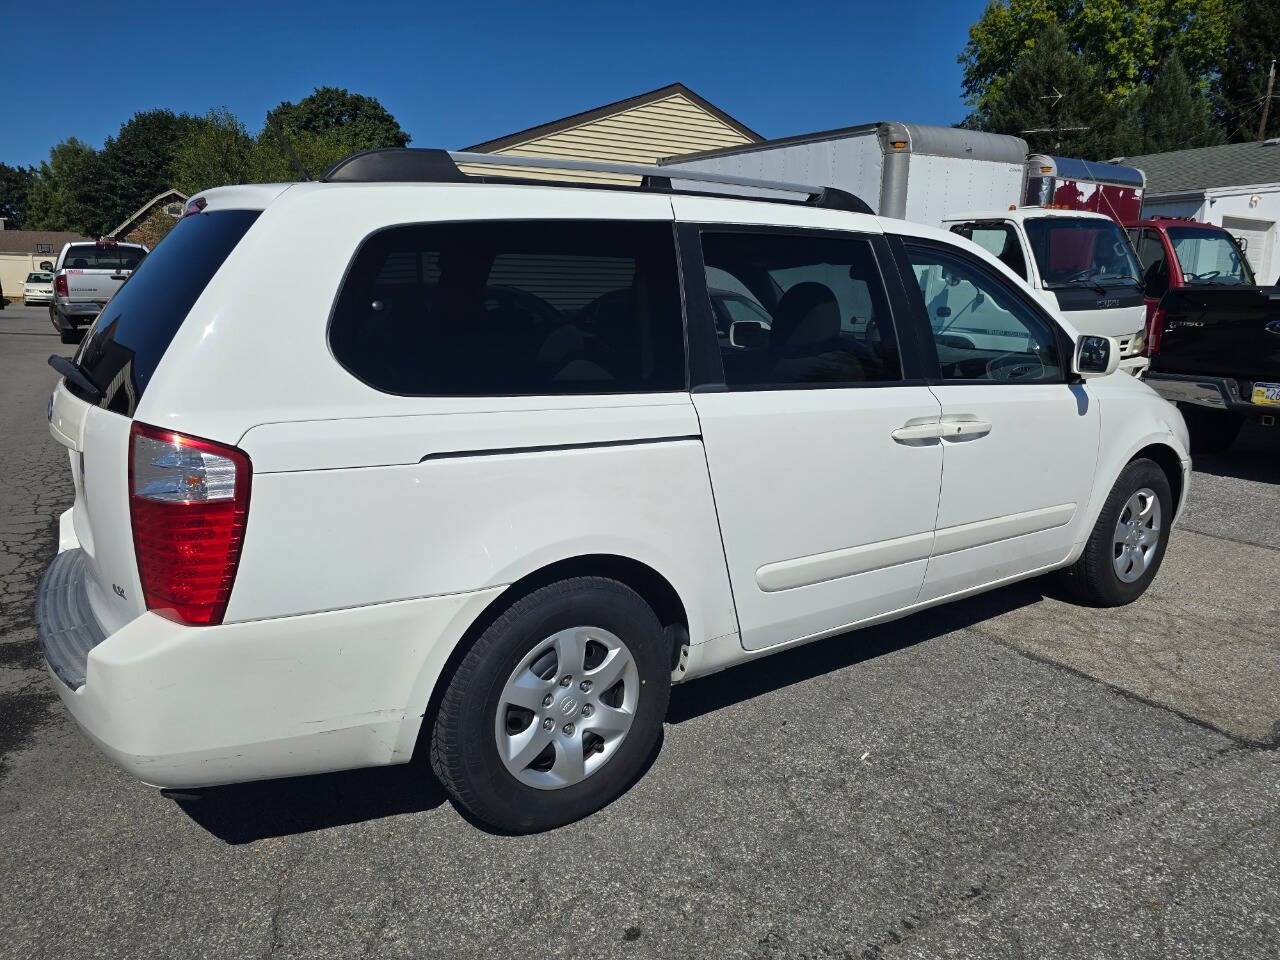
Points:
[24,241]
[1201,168]
[163,196]
[587,116]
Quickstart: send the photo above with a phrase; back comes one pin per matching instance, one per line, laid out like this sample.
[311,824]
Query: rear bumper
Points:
[181,706]
[1212,393]
[37,298]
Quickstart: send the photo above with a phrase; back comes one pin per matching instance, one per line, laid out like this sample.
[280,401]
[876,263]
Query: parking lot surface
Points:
[1012,775]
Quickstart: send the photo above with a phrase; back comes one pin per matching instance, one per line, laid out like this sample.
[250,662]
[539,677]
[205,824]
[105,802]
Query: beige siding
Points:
[646,134]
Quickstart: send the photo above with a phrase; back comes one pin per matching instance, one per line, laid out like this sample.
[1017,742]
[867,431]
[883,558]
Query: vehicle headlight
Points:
[1138,342]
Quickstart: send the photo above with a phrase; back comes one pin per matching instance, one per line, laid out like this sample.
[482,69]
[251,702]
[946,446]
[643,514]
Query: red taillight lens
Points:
[1155,331]
[188,501]
[60,285]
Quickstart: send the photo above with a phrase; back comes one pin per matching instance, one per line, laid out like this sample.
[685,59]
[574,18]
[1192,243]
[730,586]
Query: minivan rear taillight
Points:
[188,503]
[60,285]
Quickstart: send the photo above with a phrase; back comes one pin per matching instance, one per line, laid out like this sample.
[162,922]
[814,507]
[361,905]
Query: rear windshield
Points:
[124,346]
[90,256]
[39,277]
[1082,252]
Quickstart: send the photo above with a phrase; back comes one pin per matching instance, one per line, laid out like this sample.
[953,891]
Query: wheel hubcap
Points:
[567,707]
[1137,535]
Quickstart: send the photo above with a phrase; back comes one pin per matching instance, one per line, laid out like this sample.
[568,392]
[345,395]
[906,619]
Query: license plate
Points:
[1267,394]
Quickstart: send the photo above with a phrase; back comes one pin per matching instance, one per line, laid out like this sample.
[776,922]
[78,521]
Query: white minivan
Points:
[415,460]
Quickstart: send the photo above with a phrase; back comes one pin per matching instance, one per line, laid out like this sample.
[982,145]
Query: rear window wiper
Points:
[77,375]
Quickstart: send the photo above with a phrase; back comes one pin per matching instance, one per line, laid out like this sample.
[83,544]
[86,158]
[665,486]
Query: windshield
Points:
[39,277]
[1209,256]
[90,256]
[1084,251]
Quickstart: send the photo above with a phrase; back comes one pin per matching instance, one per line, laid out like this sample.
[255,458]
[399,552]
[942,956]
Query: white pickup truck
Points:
[85,277]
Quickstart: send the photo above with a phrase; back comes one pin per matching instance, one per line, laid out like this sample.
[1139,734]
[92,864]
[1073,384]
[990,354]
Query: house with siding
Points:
[667,122]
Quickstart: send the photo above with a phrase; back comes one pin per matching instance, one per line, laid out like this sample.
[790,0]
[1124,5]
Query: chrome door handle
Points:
[963,426]
[910,432]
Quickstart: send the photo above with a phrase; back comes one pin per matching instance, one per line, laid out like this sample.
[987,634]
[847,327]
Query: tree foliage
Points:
[1122,42]
[92,191]
[66,190]
[1028,101]
[15,186]
[1174,113]
[1242,79]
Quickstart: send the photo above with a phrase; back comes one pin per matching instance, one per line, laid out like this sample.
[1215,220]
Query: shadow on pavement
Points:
[779,670]
[243,813]
[1254,456]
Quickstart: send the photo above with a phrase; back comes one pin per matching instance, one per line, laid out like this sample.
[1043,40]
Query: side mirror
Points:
[1096,357]
[46,266]
[749,334]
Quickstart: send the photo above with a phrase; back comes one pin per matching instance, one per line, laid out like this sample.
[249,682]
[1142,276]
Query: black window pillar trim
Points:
[915,313]
[705,368]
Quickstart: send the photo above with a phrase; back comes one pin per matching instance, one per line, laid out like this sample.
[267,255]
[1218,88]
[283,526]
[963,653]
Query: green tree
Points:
[138,162]
[1242,79]
[362,119]
[1174,112]
[66,191]
[1028,103]
[1121,41]
[214,150]
[15,186]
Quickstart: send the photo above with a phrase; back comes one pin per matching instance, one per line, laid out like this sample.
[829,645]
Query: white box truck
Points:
[977,185]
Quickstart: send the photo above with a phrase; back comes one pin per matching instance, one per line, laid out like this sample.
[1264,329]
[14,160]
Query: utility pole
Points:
[1266,102]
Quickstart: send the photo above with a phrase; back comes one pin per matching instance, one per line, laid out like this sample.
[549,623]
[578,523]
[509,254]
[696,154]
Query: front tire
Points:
[1127,545]
[556,708]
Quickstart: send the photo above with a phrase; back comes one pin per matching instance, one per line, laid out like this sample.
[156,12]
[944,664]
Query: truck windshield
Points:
[1084,251]
[1209,256]
[91,256]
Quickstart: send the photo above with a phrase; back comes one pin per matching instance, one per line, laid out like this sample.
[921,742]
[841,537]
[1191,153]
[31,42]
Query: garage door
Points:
[1256,235]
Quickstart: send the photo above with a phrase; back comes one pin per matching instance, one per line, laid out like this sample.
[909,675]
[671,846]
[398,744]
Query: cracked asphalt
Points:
[1008,776]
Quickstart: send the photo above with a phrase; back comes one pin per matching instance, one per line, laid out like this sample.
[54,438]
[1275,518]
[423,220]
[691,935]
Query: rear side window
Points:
[92,256]
[125,344]
[793,309]
[513,308]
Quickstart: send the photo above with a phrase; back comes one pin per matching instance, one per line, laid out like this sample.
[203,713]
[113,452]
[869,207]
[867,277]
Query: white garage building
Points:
[1236,186]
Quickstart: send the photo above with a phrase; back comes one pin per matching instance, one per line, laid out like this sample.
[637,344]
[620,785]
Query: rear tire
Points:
[1212,431]
[1127,545]
[69,335]
[524,657]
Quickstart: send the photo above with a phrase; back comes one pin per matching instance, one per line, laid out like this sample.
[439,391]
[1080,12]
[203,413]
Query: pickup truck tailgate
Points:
[1221,332]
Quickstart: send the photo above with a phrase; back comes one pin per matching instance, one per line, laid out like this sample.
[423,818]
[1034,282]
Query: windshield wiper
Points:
[1082,281]
[77,375]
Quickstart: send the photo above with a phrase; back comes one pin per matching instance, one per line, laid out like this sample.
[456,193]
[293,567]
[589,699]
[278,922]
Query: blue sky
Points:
[456,74]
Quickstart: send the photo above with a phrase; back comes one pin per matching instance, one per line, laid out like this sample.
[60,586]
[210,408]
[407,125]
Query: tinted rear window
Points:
[88,256]
[125,344]
[494,308]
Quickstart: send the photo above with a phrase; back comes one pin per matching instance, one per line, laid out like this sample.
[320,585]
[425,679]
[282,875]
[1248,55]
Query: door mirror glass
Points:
[749,334]
[46,266]
[1097,356]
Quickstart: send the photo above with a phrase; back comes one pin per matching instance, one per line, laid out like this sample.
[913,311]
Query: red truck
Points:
[1213,335]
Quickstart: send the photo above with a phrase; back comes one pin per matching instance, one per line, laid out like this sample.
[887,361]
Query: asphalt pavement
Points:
[1012,775]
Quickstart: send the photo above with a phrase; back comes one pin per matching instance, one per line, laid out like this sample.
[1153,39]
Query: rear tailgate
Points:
[1221,332]
[119,356]
[95,271]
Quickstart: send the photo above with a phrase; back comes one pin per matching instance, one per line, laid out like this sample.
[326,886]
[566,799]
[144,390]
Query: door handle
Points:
[963,426]
[916,432]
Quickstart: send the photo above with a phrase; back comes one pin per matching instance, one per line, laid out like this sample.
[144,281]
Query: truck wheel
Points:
[69,335]
[1127,545]
[1212,431]
[556,708]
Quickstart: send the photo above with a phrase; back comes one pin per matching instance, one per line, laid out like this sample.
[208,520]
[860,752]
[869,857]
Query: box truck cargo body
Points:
[973,184]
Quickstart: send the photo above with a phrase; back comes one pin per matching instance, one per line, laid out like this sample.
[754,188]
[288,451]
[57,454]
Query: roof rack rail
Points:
[423,165]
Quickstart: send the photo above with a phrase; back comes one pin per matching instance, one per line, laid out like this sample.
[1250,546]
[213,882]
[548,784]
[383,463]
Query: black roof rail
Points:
[426,165]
